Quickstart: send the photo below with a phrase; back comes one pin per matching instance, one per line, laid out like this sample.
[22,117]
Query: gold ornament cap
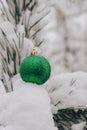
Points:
[33,51]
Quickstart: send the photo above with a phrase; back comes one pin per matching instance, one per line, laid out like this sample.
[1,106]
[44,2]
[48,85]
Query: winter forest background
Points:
[58,30]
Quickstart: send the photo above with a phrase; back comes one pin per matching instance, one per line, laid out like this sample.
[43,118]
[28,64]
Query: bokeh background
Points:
[65,35]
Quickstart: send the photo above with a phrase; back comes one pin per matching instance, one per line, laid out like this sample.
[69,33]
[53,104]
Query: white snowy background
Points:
[60,36]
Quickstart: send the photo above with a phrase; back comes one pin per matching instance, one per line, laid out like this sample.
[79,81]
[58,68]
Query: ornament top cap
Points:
[33,51]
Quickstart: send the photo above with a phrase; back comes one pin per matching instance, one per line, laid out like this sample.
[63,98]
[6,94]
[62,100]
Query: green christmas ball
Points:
[35,69]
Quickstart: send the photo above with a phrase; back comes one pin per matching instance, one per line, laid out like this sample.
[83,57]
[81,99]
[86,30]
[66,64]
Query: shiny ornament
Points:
[35,69]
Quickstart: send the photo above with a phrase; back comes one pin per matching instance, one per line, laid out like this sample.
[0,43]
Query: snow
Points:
[68,91]
[79,126]
[2,90]
[31,106]
[27,107]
